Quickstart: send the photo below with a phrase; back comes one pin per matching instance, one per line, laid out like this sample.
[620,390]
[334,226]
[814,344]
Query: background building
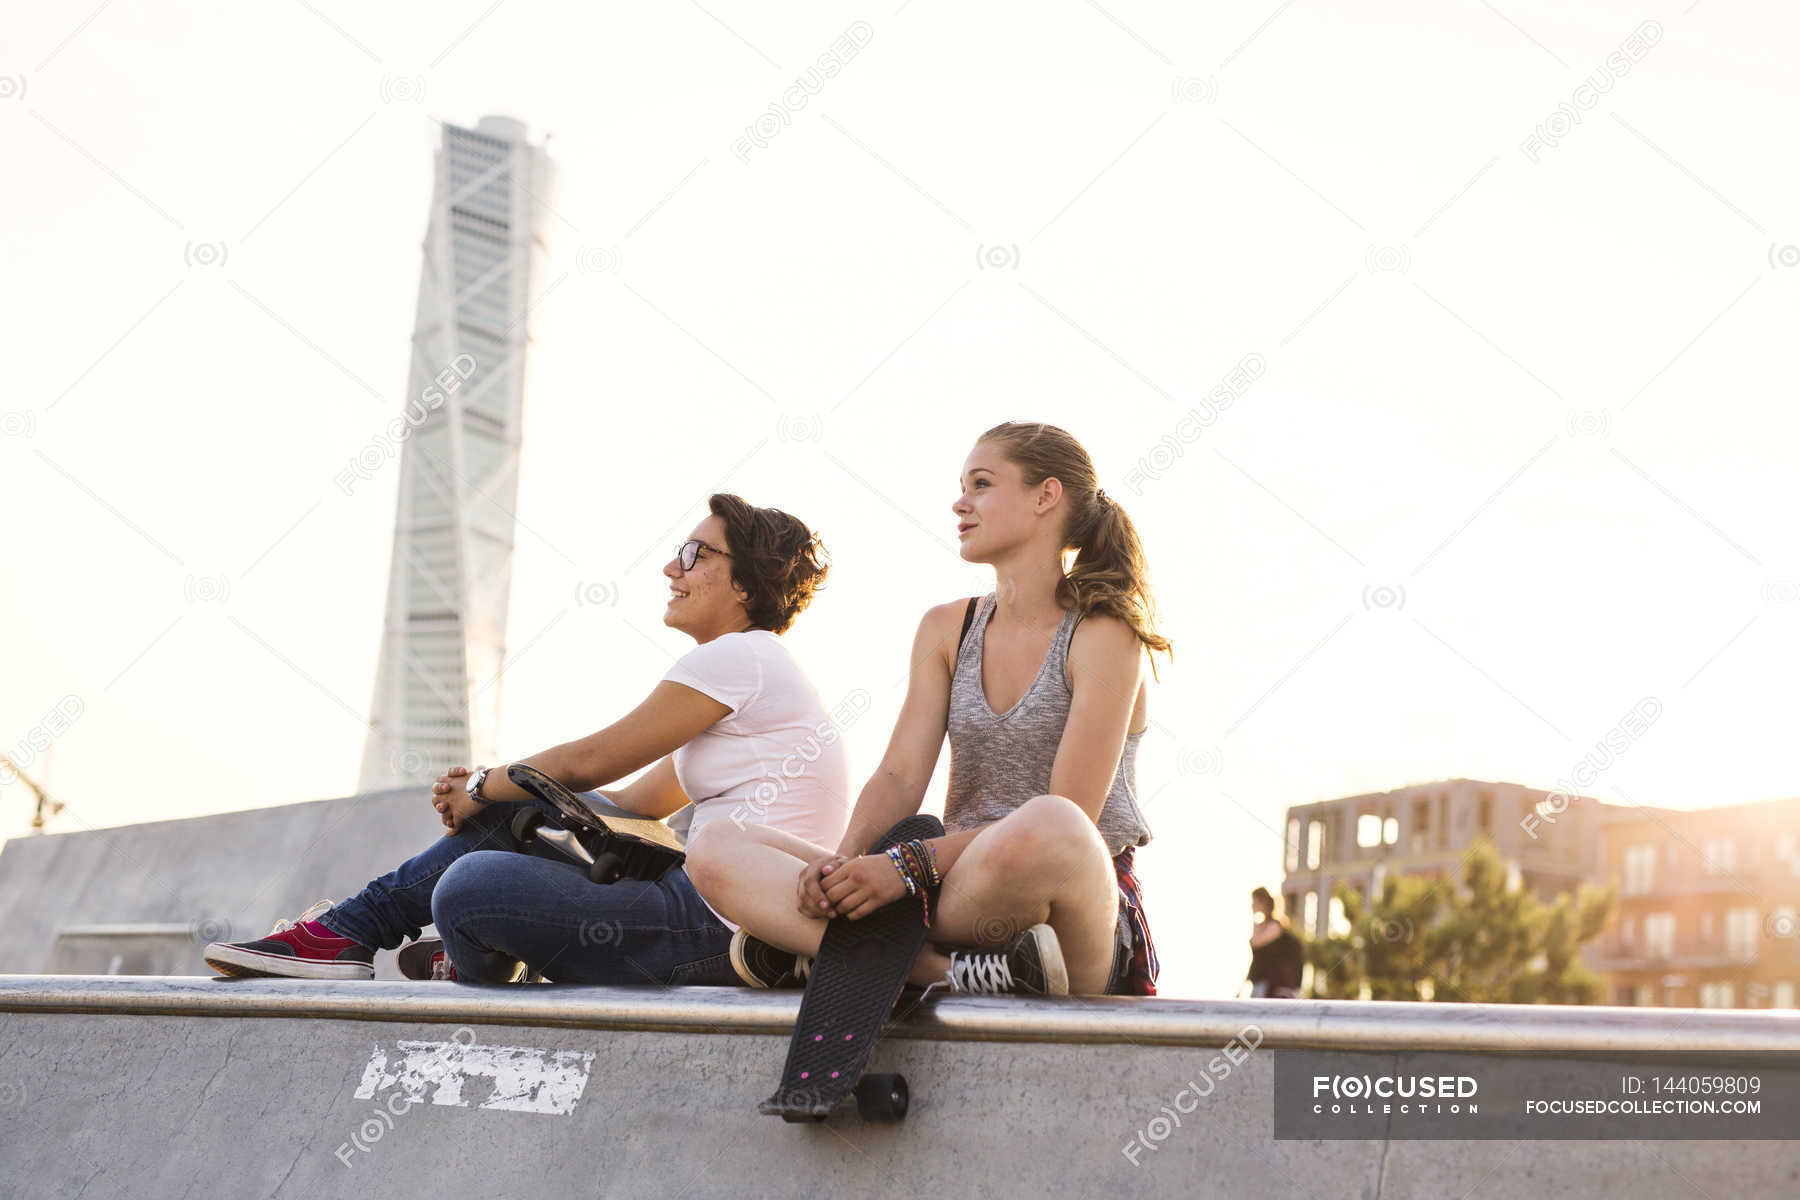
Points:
[437,679]
[1548,841]
[1708,904]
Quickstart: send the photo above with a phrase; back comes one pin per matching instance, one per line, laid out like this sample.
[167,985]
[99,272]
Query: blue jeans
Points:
[487,899]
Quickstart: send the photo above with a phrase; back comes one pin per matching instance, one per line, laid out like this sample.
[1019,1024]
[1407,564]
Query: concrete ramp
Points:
[146,899]
[120,1086]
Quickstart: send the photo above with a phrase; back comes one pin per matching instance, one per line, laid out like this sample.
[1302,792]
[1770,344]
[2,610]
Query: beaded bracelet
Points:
[927,867]
[910,852]
[919,863]
[928,861]
[916,871]
[893,853]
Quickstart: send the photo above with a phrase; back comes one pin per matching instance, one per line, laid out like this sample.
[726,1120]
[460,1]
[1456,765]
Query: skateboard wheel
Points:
[525,825]
[882,1098]
[607,868]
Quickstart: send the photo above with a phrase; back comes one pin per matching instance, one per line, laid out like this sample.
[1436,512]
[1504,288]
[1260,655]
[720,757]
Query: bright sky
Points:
[1519,451]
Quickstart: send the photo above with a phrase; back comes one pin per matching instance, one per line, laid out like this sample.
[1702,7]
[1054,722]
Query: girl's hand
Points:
[450,781]
[452,800]
[809,889]
[862,885]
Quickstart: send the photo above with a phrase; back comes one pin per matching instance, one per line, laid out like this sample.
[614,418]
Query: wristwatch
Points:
[473,787]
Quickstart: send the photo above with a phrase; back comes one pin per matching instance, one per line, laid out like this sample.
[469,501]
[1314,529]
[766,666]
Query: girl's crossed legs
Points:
[1043,863]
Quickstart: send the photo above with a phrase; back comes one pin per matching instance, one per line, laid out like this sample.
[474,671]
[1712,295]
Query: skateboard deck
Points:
[855,979]
[610,847]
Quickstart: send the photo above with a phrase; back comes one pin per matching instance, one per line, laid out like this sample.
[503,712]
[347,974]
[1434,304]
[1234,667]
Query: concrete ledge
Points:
[1322,1024]
[140,1086]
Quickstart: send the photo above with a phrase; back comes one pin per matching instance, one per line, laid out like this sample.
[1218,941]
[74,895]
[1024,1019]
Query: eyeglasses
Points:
[689,552]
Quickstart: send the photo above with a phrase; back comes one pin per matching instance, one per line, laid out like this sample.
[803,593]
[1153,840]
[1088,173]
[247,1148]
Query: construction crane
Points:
[47,805]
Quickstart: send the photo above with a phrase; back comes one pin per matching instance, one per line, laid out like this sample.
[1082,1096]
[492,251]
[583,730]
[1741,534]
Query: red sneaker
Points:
[300,949]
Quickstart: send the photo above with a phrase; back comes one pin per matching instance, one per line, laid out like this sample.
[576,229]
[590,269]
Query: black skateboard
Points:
[610,847]
[855,979]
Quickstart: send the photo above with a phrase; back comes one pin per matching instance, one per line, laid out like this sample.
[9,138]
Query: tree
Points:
[1424,938]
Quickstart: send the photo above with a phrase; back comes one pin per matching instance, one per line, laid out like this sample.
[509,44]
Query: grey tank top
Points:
[1000,760]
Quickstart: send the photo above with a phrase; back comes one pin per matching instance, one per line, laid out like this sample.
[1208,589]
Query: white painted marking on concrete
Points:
[524,1078]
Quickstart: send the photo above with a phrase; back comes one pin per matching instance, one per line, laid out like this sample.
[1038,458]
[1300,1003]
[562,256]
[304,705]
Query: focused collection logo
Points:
[1387,1094]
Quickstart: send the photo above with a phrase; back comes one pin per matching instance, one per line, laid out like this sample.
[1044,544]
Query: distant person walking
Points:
[1276,955]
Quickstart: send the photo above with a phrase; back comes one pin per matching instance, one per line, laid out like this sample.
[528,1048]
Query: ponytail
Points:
[1109,574]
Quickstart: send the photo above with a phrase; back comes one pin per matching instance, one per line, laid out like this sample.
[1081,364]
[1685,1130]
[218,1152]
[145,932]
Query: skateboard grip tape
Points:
[855,979]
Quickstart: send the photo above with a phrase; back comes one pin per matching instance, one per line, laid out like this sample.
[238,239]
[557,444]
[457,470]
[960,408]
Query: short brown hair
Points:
[775,558]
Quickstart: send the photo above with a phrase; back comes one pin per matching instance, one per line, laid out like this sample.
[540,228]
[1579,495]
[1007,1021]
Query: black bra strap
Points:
[968,618]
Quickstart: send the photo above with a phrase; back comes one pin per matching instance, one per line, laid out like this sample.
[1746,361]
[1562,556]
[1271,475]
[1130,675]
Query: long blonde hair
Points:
[1109,574]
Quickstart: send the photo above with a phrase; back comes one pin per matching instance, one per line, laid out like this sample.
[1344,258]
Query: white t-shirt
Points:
[777,758]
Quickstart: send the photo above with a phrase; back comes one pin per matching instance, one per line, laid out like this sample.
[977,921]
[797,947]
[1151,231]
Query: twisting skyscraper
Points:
[437,681]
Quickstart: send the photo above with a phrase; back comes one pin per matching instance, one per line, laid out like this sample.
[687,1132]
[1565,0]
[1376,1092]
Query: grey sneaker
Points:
[420,959]
[761,965]
[425,959]
[1031,964]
